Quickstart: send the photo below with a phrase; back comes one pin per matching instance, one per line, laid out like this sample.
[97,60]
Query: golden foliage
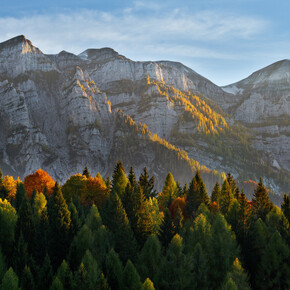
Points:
[11,184]
[38,181]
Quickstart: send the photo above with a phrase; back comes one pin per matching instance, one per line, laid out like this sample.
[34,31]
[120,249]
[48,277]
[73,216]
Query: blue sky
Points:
[223,40]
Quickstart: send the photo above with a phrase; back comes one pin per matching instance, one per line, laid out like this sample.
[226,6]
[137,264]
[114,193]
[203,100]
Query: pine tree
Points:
[197,195]
[10,281]
[261,201]
[233,216]
[130,277]
[92,270]
[94,219]
[166,229]
[229,284]
[27,281]
[175,270]
[65,276]
[2,265]
[200,279]
[59,226]
[120,180]
[224,250]
[142,223]
[285,206]
[178,221]
[86,172]
[148,285]
[226,198]
[274,270]
[231,182]
[75,221]
[168,193]
[216,192]
[132,177]
[20,195]
[149,258]
[147,184]
[81,280]
[114,270]
[239,276]
[45,274]
[56,284]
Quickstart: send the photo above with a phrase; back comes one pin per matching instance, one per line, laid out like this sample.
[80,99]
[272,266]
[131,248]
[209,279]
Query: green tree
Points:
[168,193]
[8,220]
[149,258]
[261,201]
[131,278]
[94,219]
[56,284]
[224,250]
[20,194]
[285,206]
[2,265]
[229,284]
[120,180]
[45,274]
[92,270]
[166,232]
[27,281]
[59,224]
[86,172]
[148,285]
[147,184]
[10,281]
[65,276]
[274,270]
[231,182]
[216,192]
[226,198]
[114,270]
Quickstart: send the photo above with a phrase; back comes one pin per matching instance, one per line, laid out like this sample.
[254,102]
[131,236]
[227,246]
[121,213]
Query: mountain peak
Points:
[98,53]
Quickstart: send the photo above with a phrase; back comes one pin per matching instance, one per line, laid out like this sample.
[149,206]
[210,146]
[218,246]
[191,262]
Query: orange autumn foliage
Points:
[38,181]
[94,191]
[178,202]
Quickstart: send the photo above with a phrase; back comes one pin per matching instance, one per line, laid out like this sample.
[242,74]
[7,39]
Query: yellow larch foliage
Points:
[11,184]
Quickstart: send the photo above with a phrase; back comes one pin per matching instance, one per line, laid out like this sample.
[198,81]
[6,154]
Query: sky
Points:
[223,40]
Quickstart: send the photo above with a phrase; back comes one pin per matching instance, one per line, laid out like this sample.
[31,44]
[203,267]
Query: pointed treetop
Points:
[86,172]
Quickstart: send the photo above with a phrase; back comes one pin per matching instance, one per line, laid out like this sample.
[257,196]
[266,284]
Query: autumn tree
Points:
[38,181]
[73,186]
[120,180]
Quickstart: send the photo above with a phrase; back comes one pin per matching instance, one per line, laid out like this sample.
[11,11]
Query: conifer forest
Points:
[120,233]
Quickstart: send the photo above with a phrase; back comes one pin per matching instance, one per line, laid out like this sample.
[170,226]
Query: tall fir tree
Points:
[59,226]
[130,278]
[261,201]
[147,184]
[216,192]
[226,197]
[120,180]
[166,232]
[86,172]
[27,281]
[285,206]
[10,281]
[114,270]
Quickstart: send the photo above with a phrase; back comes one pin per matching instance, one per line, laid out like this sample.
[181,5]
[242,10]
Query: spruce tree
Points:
[147,184]
[59,226]
[65,276]
[226,198]
[2,265]
[27,281]
[148,285]
[45,274]
[86,172]
[231,182]
[168,193]
[10,281]
[56,284]
[130,277]
[285,206]
[274,270]
[120,180]
[114,270]
[261,201]
[166,232]
[216,192]
[92,270]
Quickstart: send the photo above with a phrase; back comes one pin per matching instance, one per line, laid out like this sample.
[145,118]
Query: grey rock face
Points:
[57,112]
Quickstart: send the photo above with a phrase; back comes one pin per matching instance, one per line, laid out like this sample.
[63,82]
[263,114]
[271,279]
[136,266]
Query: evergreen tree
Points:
[45,274]
[114,270]
[197,195]
[261,201]
[149,258]
[130,277]
[120,180]
[274,270]
[65,276]
[224,250]
[229,284]
[148,285]
[175,269]
[239,276]
[10,281]
[233,216]
[27,281]
[75,221]
[178,221]
[200,269]
[168,193]
[86,172]
[81,280]
[166,229]
[216,192]
[231,182]
[19,196]
[285,206]
[226,198]
[92,270]
[94,220]
[147,184]
[21,255]
[132,177]
[142,223]
[56,284]
[2,265]
[3,190]
[59,225]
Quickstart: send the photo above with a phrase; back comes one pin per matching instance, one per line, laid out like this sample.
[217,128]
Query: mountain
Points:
[62,112]
[262,103]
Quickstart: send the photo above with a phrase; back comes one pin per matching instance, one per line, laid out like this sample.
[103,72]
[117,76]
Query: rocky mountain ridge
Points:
[58,112]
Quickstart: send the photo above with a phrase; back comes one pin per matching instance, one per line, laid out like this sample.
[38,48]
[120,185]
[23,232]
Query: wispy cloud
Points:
[176,29]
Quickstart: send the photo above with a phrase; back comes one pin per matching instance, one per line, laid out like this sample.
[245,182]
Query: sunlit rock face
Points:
[58,112]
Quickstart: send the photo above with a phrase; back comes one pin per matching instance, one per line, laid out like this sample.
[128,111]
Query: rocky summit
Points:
[63,112]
